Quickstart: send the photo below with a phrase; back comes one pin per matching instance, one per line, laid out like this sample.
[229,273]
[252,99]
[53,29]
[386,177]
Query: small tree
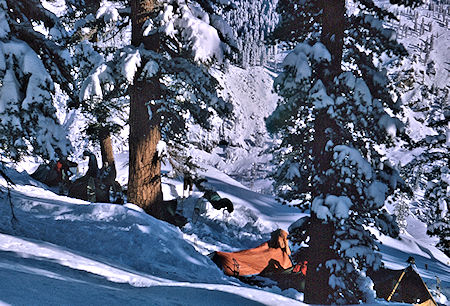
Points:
[431,174]
[97,32]
[252,21]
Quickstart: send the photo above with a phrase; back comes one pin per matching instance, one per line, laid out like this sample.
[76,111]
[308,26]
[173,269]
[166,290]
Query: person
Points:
[188,183]
[63,170]
[107,177]
[217,201]
[91,176]
[93,170]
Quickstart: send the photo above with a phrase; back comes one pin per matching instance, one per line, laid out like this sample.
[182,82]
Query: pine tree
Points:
[164,71]
[433,168]
[252,21]
[428,103]
[96,34]
[31,63]
[336,111]
[437,158]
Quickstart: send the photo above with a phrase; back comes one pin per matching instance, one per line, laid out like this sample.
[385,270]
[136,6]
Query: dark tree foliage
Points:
[31,63]
[338,107]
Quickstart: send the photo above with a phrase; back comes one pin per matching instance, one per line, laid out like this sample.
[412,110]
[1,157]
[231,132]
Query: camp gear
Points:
[401,286]
[287,278]
[188,183]
[47,174]
[107,173]
[56,173]
[269,256]
[94,190]
[265,266]
[301,267]
[93,170]
[217,201]
[199,208]
[90,190]
[167,211]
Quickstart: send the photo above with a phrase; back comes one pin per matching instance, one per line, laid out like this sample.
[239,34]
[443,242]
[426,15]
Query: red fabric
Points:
[301,267]
[274,253]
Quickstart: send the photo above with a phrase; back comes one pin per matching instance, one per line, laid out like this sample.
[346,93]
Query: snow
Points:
[333,207]
[67,251]
[72,245]
[131,63]
[353,156]
[91,87]
[4,26]
[390,125]
[94,252]
[204,38]
[193,24]
[377,191]
[150,69]
[161,148]
[108,12]
[301,56]
[320,96]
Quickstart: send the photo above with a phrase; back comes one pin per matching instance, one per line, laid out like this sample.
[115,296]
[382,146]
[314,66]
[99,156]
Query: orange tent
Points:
[273,254]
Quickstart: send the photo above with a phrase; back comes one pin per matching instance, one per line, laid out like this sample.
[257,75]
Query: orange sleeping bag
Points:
[273,254]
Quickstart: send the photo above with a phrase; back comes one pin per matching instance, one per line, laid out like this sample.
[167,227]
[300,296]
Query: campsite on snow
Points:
[239,152]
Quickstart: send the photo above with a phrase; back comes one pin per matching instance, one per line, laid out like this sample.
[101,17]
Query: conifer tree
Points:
[437,158]
[30,64]
[432,169]
[337,109]
[252,21]
[164,71]
[96,32]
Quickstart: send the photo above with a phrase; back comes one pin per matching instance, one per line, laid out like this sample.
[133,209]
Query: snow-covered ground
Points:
[64,251]
[60,250]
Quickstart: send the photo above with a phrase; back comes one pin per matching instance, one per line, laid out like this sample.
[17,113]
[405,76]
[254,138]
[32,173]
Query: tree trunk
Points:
[333,26]
[144,181]
[317,288]
[106,149]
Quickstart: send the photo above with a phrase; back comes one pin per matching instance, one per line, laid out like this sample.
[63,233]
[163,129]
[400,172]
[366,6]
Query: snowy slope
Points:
[69,251]
[66,251]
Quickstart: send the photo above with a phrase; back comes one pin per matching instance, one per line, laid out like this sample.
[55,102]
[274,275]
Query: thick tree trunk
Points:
[144,181]
[317,288]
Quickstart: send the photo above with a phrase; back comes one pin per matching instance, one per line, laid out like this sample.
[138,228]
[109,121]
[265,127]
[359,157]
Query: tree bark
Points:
[144,181]
[333,26]
[317,288]
[106,149]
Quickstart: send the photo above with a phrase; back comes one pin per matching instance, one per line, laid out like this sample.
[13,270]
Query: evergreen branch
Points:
[50,54]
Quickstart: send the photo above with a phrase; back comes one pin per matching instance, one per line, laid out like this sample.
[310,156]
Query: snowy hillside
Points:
[74,252]
[56,250]
[61,250]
